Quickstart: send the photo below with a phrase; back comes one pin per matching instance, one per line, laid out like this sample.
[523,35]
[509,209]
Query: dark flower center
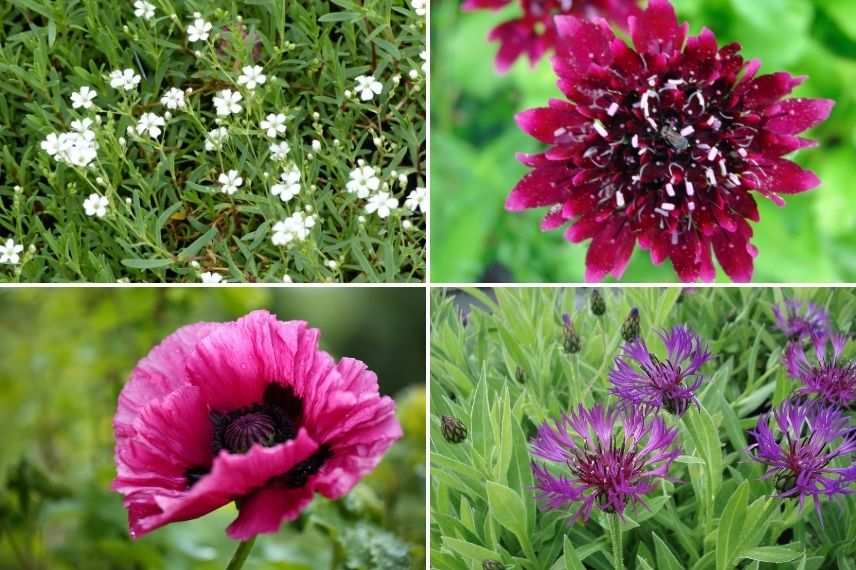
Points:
[254,427]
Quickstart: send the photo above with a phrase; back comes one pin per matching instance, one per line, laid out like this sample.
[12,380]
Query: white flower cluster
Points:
[289,187]
[417,200]
[296,227]
[418,7]
[365,183]
[368,87]
[125,79]
[227,102]
[230,182]
[74,148]
[10,252]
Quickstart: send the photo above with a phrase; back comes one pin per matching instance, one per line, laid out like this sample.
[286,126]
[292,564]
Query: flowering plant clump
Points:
[251,412]
[829,377]
[534,33]
[204,128]
[662,145]
[621,454]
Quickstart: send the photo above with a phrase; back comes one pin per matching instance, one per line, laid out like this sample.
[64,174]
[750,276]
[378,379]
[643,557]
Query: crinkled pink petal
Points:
[583,43]
[763,91]
[785,177]
[656,30]
[609,252]
[549,124]
[543,186]
[796,115]
[265,510]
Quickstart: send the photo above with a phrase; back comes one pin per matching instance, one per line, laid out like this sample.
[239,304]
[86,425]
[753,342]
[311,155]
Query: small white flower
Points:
[51,144]
[211,277]
[316,145]
[214,139]
[252,76]
[198,30]
[227,102]
[290,186]
[406,225]
[413,74]
[81,125]
[278,151]
[122,141]
[144,10]
[382,203]
[418,7]
[96,205]
[126,79]
[368,87]
[273,124]
[294,228]
[150,124]
[83,98]
[287,279]
[230,182]
[363,181]
[173,99]
[417,200]
[331,264]
[9,252]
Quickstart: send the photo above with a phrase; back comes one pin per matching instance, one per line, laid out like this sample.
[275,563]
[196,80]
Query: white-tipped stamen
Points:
[722,167]
[612,110]
[559,132]
[601,130]
[668,206]
[690,188]
[711,156]
[687,131]
[619,199]
[742,152]
[670,190]
[635,141]
[691,205]
[653,122]
[734,178]
[711,177]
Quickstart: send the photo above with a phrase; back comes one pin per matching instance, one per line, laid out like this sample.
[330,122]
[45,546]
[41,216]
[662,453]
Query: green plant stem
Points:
[241,554]
[617,547]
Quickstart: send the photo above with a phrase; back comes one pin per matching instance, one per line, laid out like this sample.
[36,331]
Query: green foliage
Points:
[474,139]
[167,219]
[64,357]
[717,515]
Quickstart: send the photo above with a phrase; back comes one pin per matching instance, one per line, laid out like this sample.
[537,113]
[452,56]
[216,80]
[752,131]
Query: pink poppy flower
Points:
[534,32]
[664,144]
[249,411]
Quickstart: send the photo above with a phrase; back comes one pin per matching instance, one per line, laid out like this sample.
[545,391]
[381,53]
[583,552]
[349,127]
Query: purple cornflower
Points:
[809,437]
[610,459]
[640,378]
[801,320]
[830,378]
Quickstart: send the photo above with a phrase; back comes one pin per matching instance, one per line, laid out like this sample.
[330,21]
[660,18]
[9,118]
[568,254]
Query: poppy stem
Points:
[241,554]
[617,547]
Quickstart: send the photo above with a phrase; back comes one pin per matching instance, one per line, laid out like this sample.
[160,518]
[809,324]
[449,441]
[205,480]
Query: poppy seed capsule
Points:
[454,430]
[598,304]
[492,565]
[571,341]
[630,329]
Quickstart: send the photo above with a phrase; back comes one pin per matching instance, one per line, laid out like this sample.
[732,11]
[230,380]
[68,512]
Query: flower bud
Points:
[454,430]
[598,304]
[492,565]
[630,328]
[571,341]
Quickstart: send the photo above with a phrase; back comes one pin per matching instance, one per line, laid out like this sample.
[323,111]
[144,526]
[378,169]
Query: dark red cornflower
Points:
[534,33]
[642,379]
[829,378]
[801,320]
[609,458]
[662,145]
[801,444]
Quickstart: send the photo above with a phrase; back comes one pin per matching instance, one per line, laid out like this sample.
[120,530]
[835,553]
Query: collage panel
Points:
[190,141]
[643,428]
[203,428]
[642,141]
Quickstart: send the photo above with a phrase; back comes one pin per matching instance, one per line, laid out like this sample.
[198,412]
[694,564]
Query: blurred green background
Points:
[64,357]
[474,139]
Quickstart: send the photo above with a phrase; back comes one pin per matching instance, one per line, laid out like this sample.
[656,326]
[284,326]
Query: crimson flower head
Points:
[642,379]
[604,457]
[800,444]
[534,33]
[249,411]
[801,320]
[827,377]
[662,144]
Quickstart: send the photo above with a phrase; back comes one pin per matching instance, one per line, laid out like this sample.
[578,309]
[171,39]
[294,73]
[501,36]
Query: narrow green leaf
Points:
[731,527]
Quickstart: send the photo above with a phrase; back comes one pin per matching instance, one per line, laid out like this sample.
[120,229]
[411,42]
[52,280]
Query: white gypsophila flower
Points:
[316,145]
[10,252]
[230,182]
[211,277]
[72,148]
[413,74]
[273,125]
[81,125]
[331,264]
[126,79]
[424,55]
[406,225]
[368,87]
[198,30]
[144,10]
[296,227]
[227,102]
[290,186]
[418,7]
[96,205]
[150,124]
[417,200]
[382,203]
[173,99]
[82,99]
[252,76]
[215,138]
[278,151]
[287,279]
[51,144]
[363,181]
